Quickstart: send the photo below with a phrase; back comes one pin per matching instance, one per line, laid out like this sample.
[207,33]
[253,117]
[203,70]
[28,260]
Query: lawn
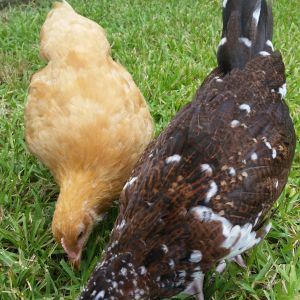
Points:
[169,47]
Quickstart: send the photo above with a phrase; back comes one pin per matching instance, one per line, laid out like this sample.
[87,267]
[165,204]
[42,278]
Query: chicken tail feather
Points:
[247,32]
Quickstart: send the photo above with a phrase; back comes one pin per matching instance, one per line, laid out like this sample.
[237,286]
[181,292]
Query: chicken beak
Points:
[74,257]
[75,262]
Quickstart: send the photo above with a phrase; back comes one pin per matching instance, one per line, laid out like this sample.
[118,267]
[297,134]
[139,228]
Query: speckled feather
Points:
[204,188]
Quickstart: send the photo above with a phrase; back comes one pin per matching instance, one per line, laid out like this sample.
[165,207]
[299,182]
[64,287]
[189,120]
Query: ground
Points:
[169,47]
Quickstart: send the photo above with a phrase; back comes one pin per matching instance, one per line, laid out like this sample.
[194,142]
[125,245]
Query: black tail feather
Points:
[247,32]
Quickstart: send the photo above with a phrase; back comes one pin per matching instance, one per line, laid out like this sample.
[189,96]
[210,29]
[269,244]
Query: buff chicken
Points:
[203,190]
[86,120]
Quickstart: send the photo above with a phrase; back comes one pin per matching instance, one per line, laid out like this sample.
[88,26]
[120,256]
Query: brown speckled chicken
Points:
[86,120]
[203,189]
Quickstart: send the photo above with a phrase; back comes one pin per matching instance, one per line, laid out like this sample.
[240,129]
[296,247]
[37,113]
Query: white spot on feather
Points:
[196,256]
[276,183]
[207,169]
[245,41]
[218,79]
[245,174]
[264,53]
[257,219]
[238,238]
[173,158]
[122,225]
[171,263]
[224,3]
[274,153]
[245,107]
[130,182]
[254,156]
[269,43]
[142,270]
[197,275]
[213,189]
[235,123]
[256,13]
[100,295]
[282,91]
[268,145]
[222,42]
[232,171]
[164,248]
[123,271]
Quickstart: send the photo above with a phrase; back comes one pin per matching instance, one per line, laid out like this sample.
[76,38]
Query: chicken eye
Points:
[80,235]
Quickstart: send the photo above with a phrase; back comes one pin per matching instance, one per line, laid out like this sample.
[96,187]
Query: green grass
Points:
[169,47]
